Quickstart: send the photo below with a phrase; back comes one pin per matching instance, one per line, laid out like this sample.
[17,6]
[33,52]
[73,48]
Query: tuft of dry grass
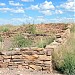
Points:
[64,58]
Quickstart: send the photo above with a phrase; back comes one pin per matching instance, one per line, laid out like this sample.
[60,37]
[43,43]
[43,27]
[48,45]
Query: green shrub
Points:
[64,57]
[45,41]
[69,64]
[73,28]
[31,29]
[1,39]
[41,43]
[65,26]
[4,29]
[20,41]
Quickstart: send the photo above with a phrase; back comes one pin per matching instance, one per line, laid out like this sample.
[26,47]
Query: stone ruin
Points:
[33,58]
[29,58]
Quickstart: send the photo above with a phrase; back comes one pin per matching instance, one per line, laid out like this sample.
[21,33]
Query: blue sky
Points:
[26,11]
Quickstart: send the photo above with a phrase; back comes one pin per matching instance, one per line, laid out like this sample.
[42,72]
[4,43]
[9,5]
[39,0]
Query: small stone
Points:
[31,57]
[39,49]
[20,66]
[34,67]
[44,58]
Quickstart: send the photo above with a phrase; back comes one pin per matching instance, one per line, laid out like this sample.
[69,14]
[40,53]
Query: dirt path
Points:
[24,72]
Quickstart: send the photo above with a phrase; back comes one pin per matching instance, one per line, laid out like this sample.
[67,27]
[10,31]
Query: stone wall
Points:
[33,58]
[55,47]
[29,58]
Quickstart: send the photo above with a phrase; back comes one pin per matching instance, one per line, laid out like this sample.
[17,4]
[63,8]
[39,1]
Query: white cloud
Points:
[62,20]
[18,19]
[46,12]
[15,4]
[27,19]
[47,5]
[27,0]
[43,6]
[58,12]
[40,16]
[2,4]
[68,20]
[34,7]
[16,10]
[70,0]
[40,20]
[69,5]
[5,21]
[5,9]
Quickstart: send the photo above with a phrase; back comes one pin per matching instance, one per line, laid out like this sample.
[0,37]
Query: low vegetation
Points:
[4,29]
[45,41]
[1,39]
[64,59]
[20,41]
[31,29]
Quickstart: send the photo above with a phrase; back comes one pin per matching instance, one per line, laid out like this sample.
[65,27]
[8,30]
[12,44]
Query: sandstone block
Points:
[6,57]
[16,56]
[10,63]
[28,53]
[20,66]
[48,52]
[31,57]
[38,62]
[34,67]
[24,49]
[1,58]
[34,48]
[17,60]
[39,49]
[41,53]
[59,40]
[4,65]
[47,62]
[7,60]
[44,58]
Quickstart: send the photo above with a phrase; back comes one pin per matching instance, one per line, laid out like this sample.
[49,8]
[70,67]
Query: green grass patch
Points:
[20,41]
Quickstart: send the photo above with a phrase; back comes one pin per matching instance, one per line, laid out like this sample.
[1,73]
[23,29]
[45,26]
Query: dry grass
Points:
[64,58]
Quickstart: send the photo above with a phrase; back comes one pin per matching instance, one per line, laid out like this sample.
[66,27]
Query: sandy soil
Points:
[6,71]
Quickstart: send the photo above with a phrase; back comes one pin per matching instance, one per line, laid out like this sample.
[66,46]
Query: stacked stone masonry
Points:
[30,58]
[33,58]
